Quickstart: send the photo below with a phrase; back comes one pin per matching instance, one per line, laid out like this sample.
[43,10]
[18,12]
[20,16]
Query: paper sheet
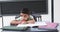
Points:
[36,24]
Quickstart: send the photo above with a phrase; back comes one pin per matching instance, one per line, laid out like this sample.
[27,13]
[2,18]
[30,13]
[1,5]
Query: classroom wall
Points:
[57,11]
[47,17]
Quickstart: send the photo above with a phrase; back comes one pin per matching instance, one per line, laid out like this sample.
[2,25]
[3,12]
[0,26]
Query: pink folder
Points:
[49,25]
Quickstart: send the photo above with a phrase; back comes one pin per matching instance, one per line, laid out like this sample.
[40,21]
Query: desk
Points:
[33,30]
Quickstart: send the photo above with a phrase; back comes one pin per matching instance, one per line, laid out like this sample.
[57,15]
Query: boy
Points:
[25,18]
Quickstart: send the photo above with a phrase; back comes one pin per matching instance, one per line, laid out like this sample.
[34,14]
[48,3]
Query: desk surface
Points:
[32,30]
[35,30]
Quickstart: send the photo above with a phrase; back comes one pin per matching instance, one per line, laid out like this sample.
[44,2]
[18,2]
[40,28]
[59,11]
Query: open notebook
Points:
[30,25]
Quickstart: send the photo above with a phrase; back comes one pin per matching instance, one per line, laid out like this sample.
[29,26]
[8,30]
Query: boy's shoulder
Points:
[31,16]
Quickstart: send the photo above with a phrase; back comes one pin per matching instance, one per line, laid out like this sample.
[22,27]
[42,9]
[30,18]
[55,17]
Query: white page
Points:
[36,24]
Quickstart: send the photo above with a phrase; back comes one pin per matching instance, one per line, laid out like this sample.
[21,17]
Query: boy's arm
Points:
[32,21]
[14,22]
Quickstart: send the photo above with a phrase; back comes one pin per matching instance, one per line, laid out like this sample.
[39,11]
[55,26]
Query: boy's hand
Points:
[14,22]
[22,22]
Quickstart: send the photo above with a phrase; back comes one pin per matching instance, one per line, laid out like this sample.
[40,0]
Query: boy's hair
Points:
[25,11]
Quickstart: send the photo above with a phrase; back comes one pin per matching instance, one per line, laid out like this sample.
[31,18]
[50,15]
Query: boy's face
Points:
[25,16]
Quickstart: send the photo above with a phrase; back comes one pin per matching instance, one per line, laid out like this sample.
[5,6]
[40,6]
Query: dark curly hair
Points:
[25,11]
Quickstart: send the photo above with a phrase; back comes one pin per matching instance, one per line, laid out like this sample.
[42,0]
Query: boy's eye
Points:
[25,16]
